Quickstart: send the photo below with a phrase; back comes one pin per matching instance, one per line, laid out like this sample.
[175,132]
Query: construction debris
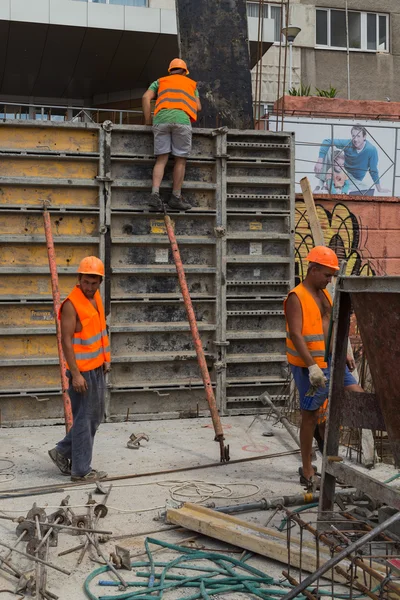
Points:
[134,440]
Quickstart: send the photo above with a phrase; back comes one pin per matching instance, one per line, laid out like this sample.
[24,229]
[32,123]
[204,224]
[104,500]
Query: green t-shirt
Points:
[170,115]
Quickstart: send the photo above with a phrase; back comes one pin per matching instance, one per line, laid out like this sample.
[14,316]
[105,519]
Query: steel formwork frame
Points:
[369,411]
[241,227]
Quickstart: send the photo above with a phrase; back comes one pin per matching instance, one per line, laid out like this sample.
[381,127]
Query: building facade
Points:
[320,56]
[92,53]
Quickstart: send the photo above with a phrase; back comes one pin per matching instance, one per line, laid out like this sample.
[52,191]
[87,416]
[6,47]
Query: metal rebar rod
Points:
[6,494]
[34,558]
[57,303]
[201,359]
[92,540]
[13,568]
[8,555]
[47,535]
[294,581]
[365,539]
[357,584]
[73,528]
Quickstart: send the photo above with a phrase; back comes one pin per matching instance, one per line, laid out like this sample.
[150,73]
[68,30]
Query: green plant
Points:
[331,93]
[302,90]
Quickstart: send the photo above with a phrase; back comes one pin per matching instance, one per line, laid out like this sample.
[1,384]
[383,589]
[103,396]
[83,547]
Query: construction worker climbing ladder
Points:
[308,310]
[176,107]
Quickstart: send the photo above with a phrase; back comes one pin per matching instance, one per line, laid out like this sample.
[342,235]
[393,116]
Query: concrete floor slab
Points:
[135,503]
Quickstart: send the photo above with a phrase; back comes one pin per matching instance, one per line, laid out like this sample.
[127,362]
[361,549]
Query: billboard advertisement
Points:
[355,158]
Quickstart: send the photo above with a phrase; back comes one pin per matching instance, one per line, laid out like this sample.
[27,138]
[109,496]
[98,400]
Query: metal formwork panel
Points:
[155,369]
[236,244]
[259,265]
[60,164]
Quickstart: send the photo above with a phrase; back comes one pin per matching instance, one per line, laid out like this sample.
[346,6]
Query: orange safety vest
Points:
[91,345]
[312,329]
[177,91]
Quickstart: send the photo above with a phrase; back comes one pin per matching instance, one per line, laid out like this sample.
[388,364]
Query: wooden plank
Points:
[245,535]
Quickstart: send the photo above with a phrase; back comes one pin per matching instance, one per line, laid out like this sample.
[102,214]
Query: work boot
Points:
[60,461]
[155,202]
[178,203]
[93,475]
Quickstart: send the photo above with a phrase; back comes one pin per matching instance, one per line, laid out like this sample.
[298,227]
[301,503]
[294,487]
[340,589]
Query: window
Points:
[367,31]
[271,11]
[120,2]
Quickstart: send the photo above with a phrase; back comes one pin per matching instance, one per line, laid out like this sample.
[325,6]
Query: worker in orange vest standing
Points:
[176,107]
[308,310]
[87,353]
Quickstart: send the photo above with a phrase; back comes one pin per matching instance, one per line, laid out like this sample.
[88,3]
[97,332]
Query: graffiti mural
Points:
[342,232]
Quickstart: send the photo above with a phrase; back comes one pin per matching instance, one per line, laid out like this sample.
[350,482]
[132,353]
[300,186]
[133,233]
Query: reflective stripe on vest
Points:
[177,92]
[312,329]
[91,345]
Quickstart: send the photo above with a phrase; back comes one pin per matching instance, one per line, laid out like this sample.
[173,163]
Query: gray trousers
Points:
[88,412]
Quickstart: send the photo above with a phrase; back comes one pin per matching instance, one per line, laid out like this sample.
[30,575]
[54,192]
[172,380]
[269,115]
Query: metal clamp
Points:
[134,440]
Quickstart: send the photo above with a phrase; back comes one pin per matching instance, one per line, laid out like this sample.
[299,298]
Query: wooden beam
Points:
[247,536]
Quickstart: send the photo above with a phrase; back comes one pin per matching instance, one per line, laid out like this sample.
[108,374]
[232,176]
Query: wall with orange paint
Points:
[365,232]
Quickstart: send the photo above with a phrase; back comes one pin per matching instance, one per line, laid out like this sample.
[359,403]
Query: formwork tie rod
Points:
[201,359]
[51,255]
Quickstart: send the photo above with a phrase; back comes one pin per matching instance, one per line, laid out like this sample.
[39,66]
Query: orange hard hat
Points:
[324,256]
[91,265]
[178,63]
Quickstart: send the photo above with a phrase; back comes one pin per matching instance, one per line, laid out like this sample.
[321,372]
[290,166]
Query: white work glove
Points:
[317,377]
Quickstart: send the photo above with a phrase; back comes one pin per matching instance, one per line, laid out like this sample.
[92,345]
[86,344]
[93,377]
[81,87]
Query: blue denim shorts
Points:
[302,381]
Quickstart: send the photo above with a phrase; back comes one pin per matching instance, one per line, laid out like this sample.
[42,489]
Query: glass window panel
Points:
[383,36]
[354,30]
[371,31]
[322,27]
[276,16]
[129,2]
[338,28]
[253,10]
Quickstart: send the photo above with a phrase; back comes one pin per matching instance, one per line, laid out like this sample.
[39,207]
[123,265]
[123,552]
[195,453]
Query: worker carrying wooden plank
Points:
[308,310]
[176,105]
[87,353]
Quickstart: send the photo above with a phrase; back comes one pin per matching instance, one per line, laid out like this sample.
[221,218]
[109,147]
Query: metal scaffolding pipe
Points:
[267,503]
[265,398]
[219,435]
[368,537]
[57,303]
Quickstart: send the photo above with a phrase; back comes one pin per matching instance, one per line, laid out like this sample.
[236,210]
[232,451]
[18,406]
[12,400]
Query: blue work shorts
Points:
[302,381]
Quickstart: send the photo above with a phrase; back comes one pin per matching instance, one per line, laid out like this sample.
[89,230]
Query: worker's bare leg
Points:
[308,423]
[158,171]
[178,175]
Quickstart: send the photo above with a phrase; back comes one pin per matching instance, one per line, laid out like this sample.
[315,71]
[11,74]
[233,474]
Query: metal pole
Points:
[348,52]
[57,303]
[265,398]
[290,64]
[219,435]
[339,557]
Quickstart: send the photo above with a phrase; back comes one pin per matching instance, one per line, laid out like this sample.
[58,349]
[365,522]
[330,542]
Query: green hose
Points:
[206,585]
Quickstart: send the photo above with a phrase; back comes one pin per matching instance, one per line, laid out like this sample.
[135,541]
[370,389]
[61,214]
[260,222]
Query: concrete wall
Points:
[363,231]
